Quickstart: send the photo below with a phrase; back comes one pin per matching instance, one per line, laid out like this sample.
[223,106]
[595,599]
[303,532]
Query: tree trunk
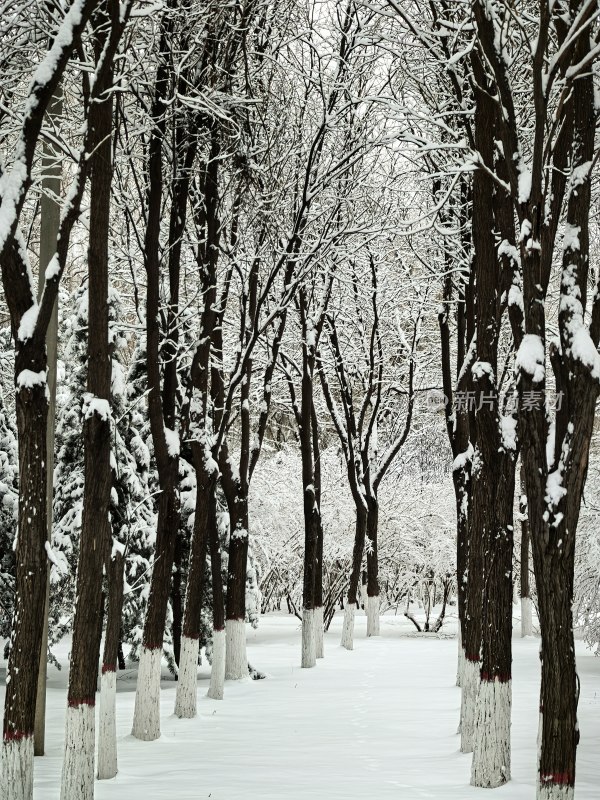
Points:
[185,699]
[491,751]
[78,766]
[217,673]
[485,423]
[176,598]
[553,527]
[319,621]
[457,422]
[107,732]
[525,591]
[372,568]
[146,719]
[16,773]
[49,229]
[460,476]
[357,554]
[236,662]
[311,510]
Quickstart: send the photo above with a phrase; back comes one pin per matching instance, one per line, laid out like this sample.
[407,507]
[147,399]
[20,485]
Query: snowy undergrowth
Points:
[379,721]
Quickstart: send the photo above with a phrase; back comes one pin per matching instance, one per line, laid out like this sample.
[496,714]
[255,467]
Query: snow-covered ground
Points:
[377,722]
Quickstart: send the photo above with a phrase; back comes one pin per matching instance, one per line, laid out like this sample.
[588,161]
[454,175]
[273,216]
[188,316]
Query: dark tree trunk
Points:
[107,733]
[112,637]
[493,474]
[457,421]
[31,571]
[236,660]
[78,767]
[319,610]
[205,488]
[525,587]
[317,470]
[310,505]
[160,584]
[121,656]
[485,555]
[525,590]
[217,676]
[497,603]
[176,596]
[372,566]
[161,408]
[215,568]
[16,772]
[238,558]
[553,532]
[185,703]
[357,555]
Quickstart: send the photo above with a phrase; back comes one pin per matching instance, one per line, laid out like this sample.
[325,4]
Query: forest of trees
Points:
[300,311]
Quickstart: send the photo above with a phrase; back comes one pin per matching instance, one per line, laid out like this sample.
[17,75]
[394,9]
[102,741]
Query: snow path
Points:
[376,722]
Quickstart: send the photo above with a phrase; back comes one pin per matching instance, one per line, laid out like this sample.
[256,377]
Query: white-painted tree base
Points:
[348,629]
[373,616]
[319,645]
[107,727]
[309,653]
[491,738]
[526,616]
[236,661]
[185,696]
[16,769]
[146,714]
[553,791]
[468,704]
[78,766]
[217,669]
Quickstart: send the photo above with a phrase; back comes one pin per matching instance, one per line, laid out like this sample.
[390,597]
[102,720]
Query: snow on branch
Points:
[27,379]
[15,182]
[95,405]
[531,357]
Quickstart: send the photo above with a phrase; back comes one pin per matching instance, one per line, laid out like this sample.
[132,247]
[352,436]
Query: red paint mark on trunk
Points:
[152,646]
[108,668]
[16,736]
[81,701]
[490,677]
[558,779]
